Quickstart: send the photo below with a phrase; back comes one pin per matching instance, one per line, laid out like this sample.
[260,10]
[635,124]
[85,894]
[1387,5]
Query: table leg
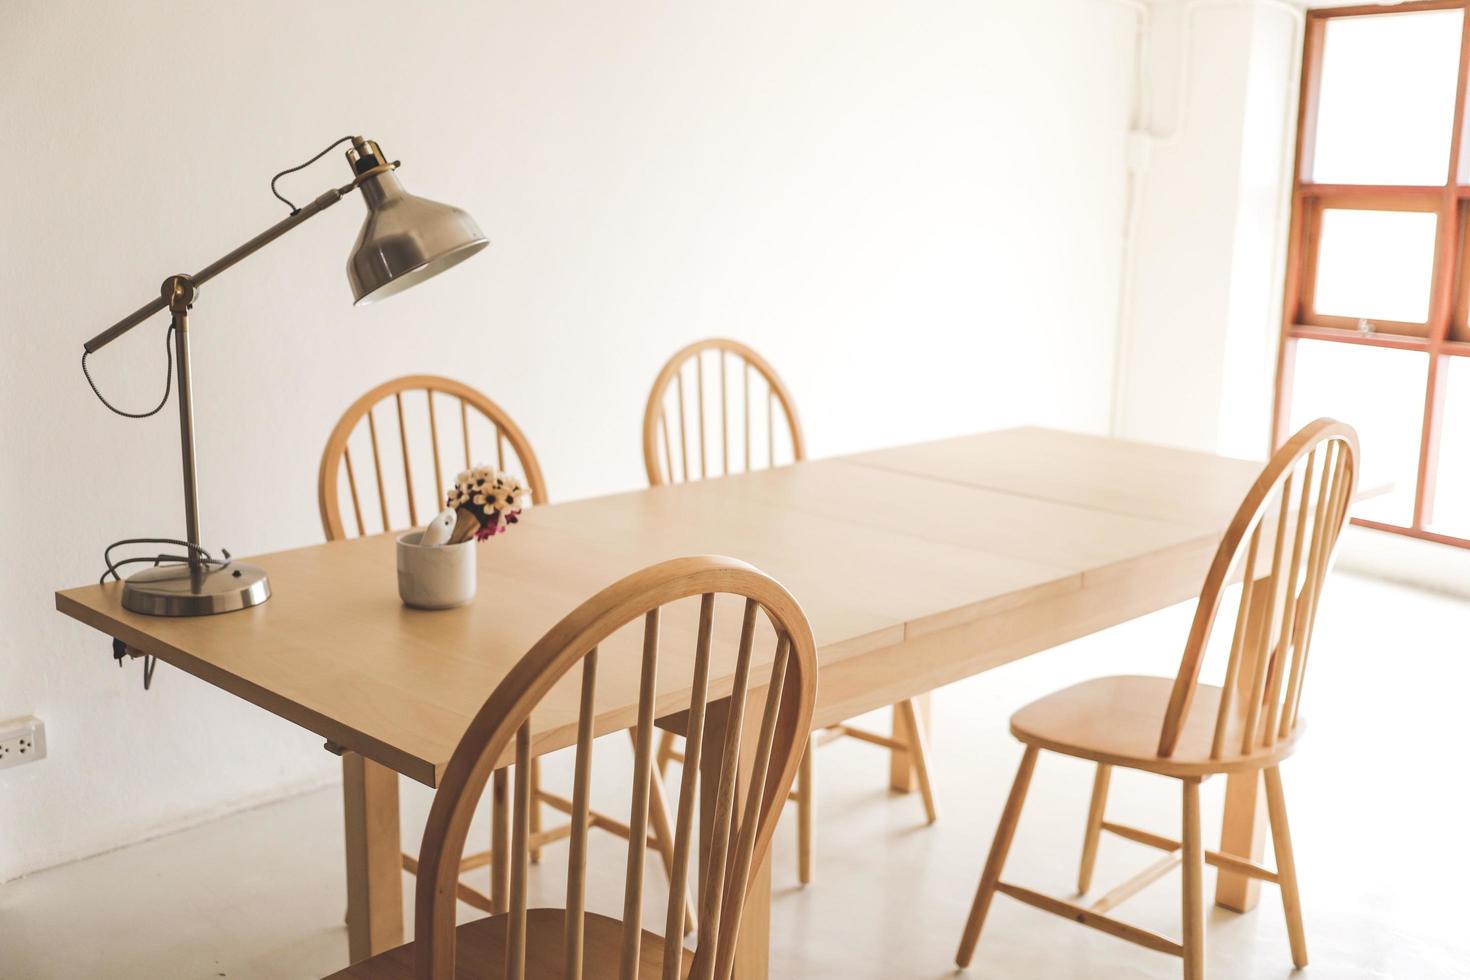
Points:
[900,767]
[374,857]
[753,950]
[1243,834]
[1243,830]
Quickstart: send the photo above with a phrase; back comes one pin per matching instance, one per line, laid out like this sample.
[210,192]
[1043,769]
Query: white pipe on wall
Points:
[1143,138]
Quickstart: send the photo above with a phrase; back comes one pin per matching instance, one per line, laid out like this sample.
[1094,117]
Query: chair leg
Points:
[533,825]
[1193,897]
[1004,833]
[1286,867]
[919,757]
[500,840]
[665,751]
[1095,811]
[806,811]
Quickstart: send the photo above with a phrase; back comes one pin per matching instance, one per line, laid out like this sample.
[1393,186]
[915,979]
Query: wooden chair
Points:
[1279,547]
[681,401]
[480,423]
[473,411]
[571,942]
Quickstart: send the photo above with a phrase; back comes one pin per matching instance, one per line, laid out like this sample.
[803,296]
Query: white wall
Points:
[1262,213]
[1199,345]
[913,209]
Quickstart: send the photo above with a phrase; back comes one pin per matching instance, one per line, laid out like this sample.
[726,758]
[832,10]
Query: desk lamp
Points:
[404,240]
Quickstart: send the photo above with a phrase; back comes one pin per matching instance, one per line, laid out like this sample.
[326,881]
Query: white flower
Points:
[496,495]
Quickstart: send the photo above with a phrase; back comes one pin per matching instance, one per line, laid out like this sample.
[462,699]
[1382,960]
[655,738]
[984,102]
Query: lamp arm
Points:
[221,264]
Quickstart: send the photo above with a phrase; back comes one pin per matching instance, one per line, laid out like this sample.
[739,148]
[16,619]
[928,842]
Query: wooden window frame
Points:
[1446,334]
[1318,199]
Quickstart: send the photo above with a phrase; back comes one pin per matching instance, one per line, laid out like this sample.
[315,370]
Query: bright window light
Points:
[1375,265]
[1452,491]
[1387,100]
[1379,392]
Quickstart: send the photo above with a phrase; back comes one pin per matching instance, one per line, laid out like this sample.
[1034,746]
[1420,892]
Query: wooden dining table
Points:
[917,566]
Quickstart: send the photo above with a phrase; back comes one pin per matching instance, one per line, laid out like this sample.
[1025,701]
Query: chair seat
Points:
[480,951]
[1117,720]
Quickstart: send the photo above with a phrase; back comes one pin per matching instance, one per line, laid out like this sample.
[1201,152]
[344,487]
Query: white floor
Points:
[1378,804]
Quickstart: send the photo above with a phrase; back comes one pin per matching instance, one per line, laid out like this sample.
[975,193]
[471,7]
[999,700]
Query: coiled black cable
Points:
[168,381]
[303,166]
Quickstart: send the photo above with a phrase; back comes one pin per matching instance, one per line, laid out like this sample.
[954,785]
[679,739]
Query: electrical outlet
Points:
[22,741]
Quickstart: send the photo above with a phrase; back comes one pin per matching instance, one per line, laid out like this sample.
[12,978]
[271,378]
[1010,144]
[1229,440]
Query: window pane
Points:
[1387,101]
[1380,393]
[1452,489]
[1377,265]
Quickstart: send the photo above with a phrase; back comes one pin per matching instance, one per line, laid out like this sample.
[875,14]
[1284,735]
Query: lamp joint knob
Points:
[179,292]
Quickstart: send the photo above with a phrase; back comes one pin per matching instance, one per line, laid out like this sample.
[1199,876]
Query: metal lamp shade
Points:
[405,240]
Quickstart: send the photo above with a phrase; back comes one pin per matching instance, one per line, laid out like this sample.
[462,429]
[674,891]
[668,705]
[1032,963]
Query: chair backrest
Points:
[735,843]
[500,441]
[680,441]
[1287,527]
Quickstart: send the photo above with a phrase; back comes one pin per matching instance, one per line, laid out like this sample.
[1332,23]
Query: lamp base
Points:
[175,590]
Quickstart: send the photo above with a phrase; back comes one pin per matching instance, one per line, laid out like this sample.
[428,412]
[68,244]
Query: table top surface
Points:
[877,547]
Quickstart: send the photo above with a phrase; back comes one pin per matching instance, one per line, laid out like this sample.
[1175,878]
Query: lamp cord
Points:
[199,553]
[120,650]
[303,166]
[168,381]
[168,336]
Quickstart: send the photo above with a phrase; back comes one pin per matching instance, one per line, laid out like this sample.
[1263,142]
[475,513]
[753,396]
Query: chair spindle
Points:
[1308,594]
[663,422]
[1288,611]
[352,489]
[1262,656]
[724,419]
[464,429]
[638,817]
[699,392]
[683,427]
[577,853]
[1335,513]
[684,832]
[1237,646]
[770,427]
[413,511]
[378,468]
[434,445]
[712,879]
[750,822]
[747,416]
[515,940]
